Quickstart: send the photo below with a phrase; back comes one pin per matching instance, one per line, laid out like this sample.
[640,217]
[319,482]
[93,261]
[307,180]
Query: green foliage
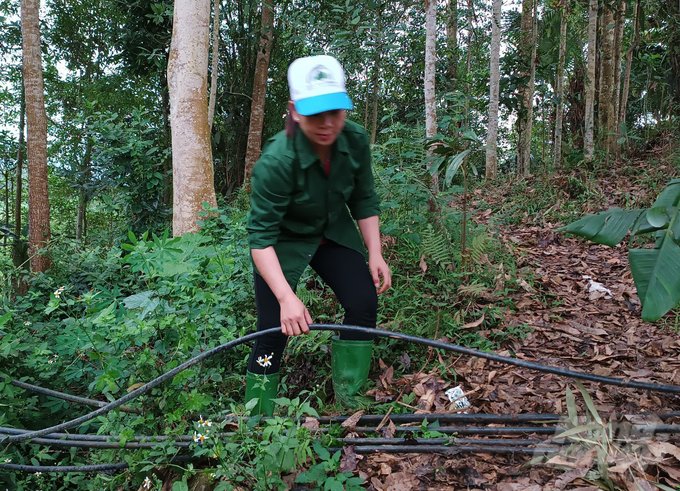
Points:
[656,271]
[326,474]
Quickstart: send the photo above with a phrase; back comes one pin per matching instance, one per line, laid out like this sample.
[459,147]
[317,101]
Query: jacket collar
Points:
[308,155]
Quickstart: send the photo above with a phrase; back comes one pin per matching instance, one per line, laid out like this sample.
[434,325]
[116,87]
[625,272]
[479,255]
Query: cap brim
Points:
[322,103]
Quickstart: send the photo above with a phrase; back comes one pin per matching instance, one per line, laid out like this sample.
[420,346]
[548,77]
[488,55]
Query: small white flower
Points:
[27,323]
[199,438]
[53,359]
[147,483]
[204,422]
[57,293]
[38,474]
[8,461]
[265,361]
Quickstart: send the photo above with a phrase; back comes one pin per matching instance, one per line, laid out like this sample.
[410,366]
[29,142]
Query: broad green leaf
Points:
[658,281]
[321,451]
[641,264]
[5,318]
[658,217]
[455,164]
[138,300]
[608,228]
[670,196]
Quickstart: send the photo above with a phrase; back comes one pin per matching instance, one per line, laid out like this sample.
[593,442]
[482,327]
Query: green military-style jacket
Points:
[293,204]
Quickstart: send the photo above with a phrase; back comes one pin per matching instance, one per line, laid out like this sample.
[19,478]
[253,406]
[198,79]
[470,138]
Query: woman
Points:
[304,187]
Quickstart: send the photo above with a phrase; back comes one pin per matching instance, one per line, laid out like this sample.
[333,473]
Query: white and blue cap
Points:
[317,84]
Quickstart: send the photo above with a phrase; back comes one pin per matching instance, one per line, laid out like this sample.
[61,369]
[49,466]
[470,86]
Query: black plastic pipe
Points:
[328,327]
[62,395]
[448,450]
[91,468]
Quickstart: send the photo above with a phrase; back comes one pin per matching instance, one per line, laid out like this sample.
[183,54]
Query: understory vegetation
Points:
[121,310]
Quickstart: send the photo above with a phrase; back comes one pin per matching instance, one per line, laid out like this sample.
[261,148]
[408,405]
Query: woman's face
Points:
[321,129]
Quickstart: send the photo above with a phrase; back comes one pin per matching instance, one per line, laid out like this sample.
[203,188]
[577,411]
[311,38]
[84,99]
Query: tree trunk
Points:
[606,103]
[193,182]
[559,89]
[167,139]
[452,41]
[468,60]
[623,106]
[376,77]
[82,193]
[494,80]
[430,72]
[589,138]
[673,44]
[36,118]
[19,249]
[526,92]
[618,58]
[20,168]
[215,63]
[254,145]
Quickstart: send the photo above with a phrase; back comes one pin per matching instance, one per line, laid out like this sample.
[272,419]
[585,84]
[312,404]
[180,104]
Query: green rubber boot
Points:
[263,388]
[351,361]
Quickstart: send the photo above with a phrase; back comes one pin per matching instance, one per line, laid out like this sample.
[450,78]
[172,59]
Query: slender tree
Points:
[494,81]
[620,19]
[589,138]
[187,81]
[19,247]
[606,104]
[376,73]
[559,89]
[215,63]
[526,92]
[623,105]
[254,145]
[430,71]
[36,119]
[452,41]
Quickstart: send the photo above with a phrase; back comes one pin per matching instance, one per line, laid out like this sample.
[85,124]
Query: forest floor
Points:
[563,323]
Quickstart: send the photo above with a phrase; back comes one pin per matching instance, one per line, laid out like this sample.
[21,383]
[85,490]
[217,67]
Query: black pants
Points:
[346,272]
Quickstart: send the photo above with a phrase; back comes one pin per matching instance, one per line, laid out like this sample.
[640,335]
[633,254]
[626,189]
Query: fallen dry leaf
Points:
[352,421]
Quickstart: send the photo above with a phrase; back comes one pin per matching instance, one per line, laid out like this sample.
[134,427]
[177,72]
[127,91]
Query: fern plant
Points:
[437,246]
[450,154]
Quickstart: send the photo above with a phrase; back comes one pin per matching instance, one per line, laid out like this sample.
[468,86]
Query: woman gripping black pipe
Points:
[311,187]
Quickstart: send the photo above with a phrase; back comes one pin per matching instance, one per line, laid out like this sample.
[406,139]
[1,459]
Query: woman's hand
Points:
[295,318]
[379,268]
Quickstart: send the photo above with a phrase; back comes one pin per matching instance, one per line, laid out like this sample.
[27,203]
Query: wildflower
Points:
[265,361]
[199,438]
[27,323]
[38,474]
[204,422]
[147,483]
[8,461]
[53,359]
[57,293]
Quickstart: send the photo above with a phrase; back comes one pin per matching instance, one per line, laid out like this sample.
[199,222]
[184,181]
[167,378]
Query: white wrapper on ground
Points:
[595,287]
[457,396]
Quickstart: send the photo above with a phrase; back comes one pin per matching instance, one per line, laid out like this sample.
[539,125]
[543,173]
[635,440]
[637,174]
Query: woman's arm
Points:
[295,318]
[370,231]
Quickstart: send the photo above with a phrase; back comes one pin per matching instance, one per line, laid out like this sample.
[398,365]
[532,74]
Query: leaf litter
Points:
[583,314]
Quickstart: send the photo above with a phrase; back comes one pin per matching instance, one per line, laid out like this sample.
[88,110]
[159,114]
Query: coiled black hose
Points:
[331,327]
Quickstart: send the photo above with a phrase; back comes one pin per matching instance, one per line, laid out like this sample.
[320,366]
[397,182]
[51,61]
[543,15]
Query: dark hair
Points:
[291,125]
